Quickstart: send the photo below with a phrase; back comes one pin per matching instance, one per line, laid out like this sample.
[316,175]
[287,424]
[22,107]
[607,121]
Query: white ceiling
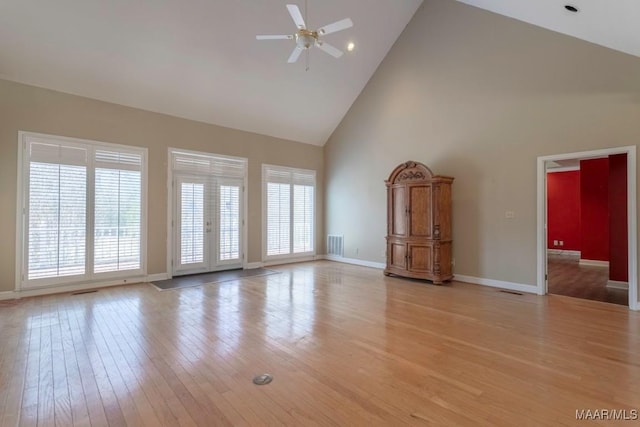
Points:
[614,24]
[199,59]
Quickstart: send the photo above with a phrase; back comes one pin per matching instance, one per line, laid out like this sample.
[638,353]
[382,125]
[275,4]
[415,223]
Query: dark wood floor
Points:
[567,277]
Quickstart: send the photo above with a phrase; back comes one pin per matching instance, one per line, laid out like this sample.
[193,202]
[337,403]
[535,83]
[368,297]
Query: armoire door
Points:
[420,257]
[398,211]
[420,211]
[397,255]
[207,224]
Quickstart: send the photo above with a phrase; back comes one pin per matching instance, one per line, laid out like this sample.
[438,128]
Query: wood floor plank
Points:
[78,338]
[61,396]
[345,345]
[78,402]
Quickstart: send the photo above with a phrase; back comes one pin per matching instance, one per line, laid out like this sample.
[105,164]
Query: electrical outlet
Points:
[555,243]
[561,242]
[509,214]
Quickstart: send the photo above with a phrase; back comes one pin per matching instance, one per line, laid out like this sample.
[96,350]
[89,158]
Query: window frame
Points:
[173,173]
[22,213]
[292,183]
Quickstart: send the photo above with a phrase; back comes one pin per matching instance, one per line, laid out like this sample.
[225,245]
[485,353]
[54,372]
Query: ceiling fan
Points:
[305,38]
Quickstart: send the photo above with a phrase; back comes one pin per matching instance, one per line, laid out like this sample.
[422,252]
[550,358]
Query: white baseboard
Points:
[253,265]
[7,295]
[156,277]
[24,293]
[530,289]
[563,252]
[270,263]
[615,284]
[593,263]
[363,263]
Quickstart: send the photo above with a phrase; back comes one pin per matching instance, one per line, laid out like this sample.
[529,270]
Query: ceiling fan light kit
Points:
[305,39]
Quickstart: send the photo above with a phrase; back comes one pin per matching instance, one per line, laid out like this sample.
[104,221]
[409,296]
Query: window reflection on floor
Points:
[290,308]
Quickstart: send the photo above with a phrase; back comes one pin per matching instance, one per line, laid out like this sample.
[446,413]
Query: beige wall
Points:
[479,97]
[33,109]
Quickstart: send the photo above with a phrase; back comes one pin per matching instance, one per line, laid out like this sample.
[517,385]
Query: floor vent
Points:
[510,292]
[84,292]
[335,245]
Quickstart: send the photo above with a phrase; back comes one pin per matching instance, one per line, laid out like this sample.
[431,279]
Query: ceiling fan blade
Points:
[336,26]
[275,37]
[294,11]
[333,51]
[295,55]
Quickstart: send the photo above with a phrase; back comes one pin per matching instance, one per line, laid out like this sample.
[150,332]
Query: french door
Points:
[208,224]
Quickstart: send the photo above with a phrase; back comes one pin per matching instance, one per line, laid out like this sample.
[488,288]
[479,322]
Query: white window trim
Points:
[89,277]
[171,205]
[290,255]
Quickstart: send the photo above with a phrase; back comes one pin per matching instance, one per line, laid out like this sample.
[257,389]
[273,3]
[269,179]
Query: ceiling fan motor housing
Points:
[305,38]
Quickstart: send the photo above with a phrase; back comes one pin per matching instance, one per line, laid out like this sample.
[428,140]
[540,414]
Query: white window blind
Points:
[289,206]
[63,176]
[278,218]
[57,220]
[213,165]
[302,218]
[229,217]
[192,224]
[117,220]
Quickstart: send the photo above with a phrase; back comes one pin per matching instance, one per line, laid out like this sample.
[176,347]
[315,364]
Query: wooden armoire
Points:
[419,223]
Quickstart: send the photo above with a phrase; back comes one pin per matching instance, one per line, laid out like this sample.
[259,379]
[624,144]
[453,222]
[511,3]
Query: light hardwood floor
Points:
[346,346]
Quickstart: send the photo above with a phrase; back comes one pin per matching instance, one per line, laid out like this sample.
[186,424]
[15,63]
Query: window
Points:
[289,210]
[83,209]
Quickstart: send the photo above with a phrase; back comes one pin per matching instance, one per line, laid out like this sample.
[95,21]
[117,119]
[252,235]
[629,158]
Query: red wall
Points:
[594,209]
[618,258]
[563,210]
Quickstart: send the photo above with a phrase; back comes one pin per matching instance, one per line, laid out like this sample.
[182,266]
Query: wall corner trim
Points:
[520,287]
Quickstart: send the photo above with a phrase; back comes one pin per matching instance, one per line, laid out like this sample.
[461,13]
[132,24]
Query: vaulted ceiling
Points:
[199,59]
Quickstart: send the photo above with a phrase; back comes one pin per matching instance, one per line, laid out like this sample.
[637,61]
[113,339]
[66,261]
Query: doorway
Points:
[207,224]
[208,213]
[586,228]
[556,262]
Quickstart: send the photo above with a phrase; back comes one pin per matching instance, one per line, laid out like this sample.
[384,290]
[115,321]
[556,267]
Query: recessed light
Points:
[571,8]
[351,46]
